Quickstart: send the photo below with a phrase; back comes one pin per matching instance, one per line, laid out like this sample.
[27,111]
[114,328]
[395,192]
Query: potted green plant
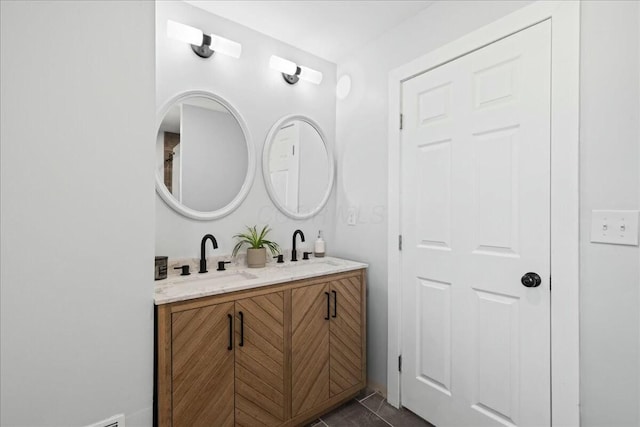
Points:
[258,244]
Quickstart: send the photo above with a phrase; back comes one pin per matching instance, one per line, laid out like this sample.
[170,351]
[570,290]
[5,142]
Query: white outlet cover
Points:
[614,227]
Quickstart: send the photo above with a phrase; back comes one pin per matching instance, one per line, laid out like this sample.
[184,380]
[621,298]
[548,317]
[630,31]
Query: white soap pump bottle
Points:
[319,247]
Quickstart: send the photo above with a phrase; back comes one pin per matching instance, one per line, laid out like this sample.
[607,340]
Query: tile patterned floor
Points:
[369,409]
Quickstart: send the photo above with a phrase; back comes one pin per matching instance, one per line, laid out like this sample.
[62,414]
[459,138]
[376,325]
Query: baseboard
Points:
[379,388]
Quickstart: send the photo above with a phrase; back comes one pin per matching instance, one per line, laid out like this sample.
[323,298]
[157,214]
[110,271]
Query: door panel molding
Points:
[565,21]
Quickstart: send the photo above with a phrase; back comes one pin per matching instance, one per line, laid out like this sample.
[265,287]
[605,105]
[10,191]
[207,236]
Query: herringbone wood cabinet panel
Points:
[345,339]
[202,367]
[309,347]
[260,386]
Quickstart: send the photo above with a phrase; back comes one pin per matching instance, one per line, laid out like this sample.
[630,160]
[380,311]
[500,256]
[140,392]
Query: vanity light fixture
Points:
[291,72]
[204,45]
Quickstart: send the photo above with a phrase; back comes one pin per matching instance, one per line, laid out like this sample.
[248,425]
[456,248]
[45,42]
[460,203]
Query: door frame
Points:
[565,109]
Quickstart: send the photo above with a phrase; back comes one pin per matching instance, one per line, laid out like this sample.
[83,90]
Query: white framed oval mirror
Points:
[205,162]
[297,165]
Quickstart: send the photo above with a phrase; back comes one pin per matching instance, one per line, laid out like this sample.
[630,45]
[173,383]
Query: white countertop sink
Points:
[182,288]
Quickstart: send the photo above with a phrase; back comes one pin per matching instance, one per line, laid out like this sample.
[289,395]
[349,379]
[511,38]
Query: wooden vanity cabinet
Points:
[347,367]
[327,342]
[202,365]
[272,356]
[310,347]
[260,389]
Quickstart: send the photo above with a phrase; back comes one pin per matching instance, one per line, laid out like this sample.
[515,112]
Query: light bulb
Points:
[225,46]
[184,33]
[283,65]
[310,75]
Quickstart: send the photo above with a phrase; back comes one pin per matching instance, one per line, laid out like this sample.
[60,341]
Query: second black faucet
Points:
[203,258]
[294,252]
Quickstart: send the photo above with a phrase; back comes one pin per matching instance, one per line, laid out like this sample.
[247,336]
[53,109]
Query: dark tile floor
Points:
[369,409]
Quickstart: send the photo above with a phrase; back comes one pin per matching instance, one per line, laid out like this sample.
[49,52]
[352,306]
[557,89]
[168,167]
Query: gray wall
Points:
[76,215]
[610,75]
[609,276]
[262,97]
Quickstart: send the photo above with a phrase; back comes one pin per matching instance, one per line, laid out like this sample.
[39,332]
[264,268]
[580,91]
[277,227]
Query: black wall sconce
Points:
[291,72]
[204,45]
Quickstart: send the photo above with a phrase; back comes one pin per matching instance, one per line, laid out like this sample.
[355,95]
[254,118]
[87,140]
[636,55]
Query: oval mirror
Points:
[298,167]
[205,163]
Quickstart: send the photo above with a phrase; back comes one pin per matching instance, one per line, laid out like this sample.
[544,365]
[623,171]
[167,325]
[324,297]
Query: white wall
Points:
[77,208]
[361,136]
[214,158]
[610,141]
[610,299]
[313,179]
[262,97]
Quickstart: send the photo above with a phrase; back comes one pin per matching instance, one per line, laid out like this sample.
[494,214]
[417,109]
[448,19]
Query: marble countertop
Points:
[180,288]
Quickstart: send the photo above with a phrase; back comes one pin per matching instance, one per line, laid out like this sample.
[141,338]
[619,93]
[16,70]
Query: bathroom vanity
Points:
[276,346]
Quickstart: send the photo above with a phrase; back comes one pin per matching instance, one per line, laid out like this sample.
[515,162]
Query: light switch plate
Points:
[614,227]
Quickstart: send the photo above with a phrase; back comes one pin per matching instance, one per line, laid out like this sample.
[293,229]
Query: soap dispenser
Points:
[319,247]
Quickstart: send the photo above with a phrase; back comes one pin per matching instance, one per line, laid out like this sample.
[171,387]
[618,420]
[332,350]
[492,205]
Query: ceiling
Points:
[328,29]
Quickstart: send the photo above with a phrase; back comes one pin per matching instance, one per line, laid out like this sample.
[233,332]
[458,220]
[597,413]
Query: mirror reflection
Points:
[202,154]
[297,168]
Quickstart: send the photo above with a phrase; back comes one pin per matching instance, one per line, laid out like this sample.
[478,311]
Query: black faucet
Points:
[294,252]
[203,259]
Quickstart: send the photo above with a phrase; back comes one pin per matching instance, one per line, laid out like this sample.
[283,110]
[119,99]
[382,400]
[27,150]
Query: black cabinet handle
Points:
[328,304]
[241,329]
[230,347]
[335,304]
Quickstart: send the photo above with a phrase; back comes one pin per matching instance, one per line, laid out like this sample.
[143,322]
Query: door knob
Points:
[531,280]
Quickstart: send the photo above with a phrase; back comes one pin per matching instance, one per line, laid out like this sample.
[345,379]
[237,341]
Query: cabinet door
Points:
[345,334]
[202,366]
[309,347]
[259,373]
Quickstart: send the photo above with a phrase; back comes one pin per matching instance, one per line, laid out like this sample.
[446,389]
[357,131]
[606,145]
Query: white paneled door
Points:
[475,220]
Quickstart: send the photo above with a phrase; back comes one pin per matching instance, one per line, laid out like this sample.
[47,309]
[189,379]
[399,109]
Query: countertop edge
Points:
[353,266]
